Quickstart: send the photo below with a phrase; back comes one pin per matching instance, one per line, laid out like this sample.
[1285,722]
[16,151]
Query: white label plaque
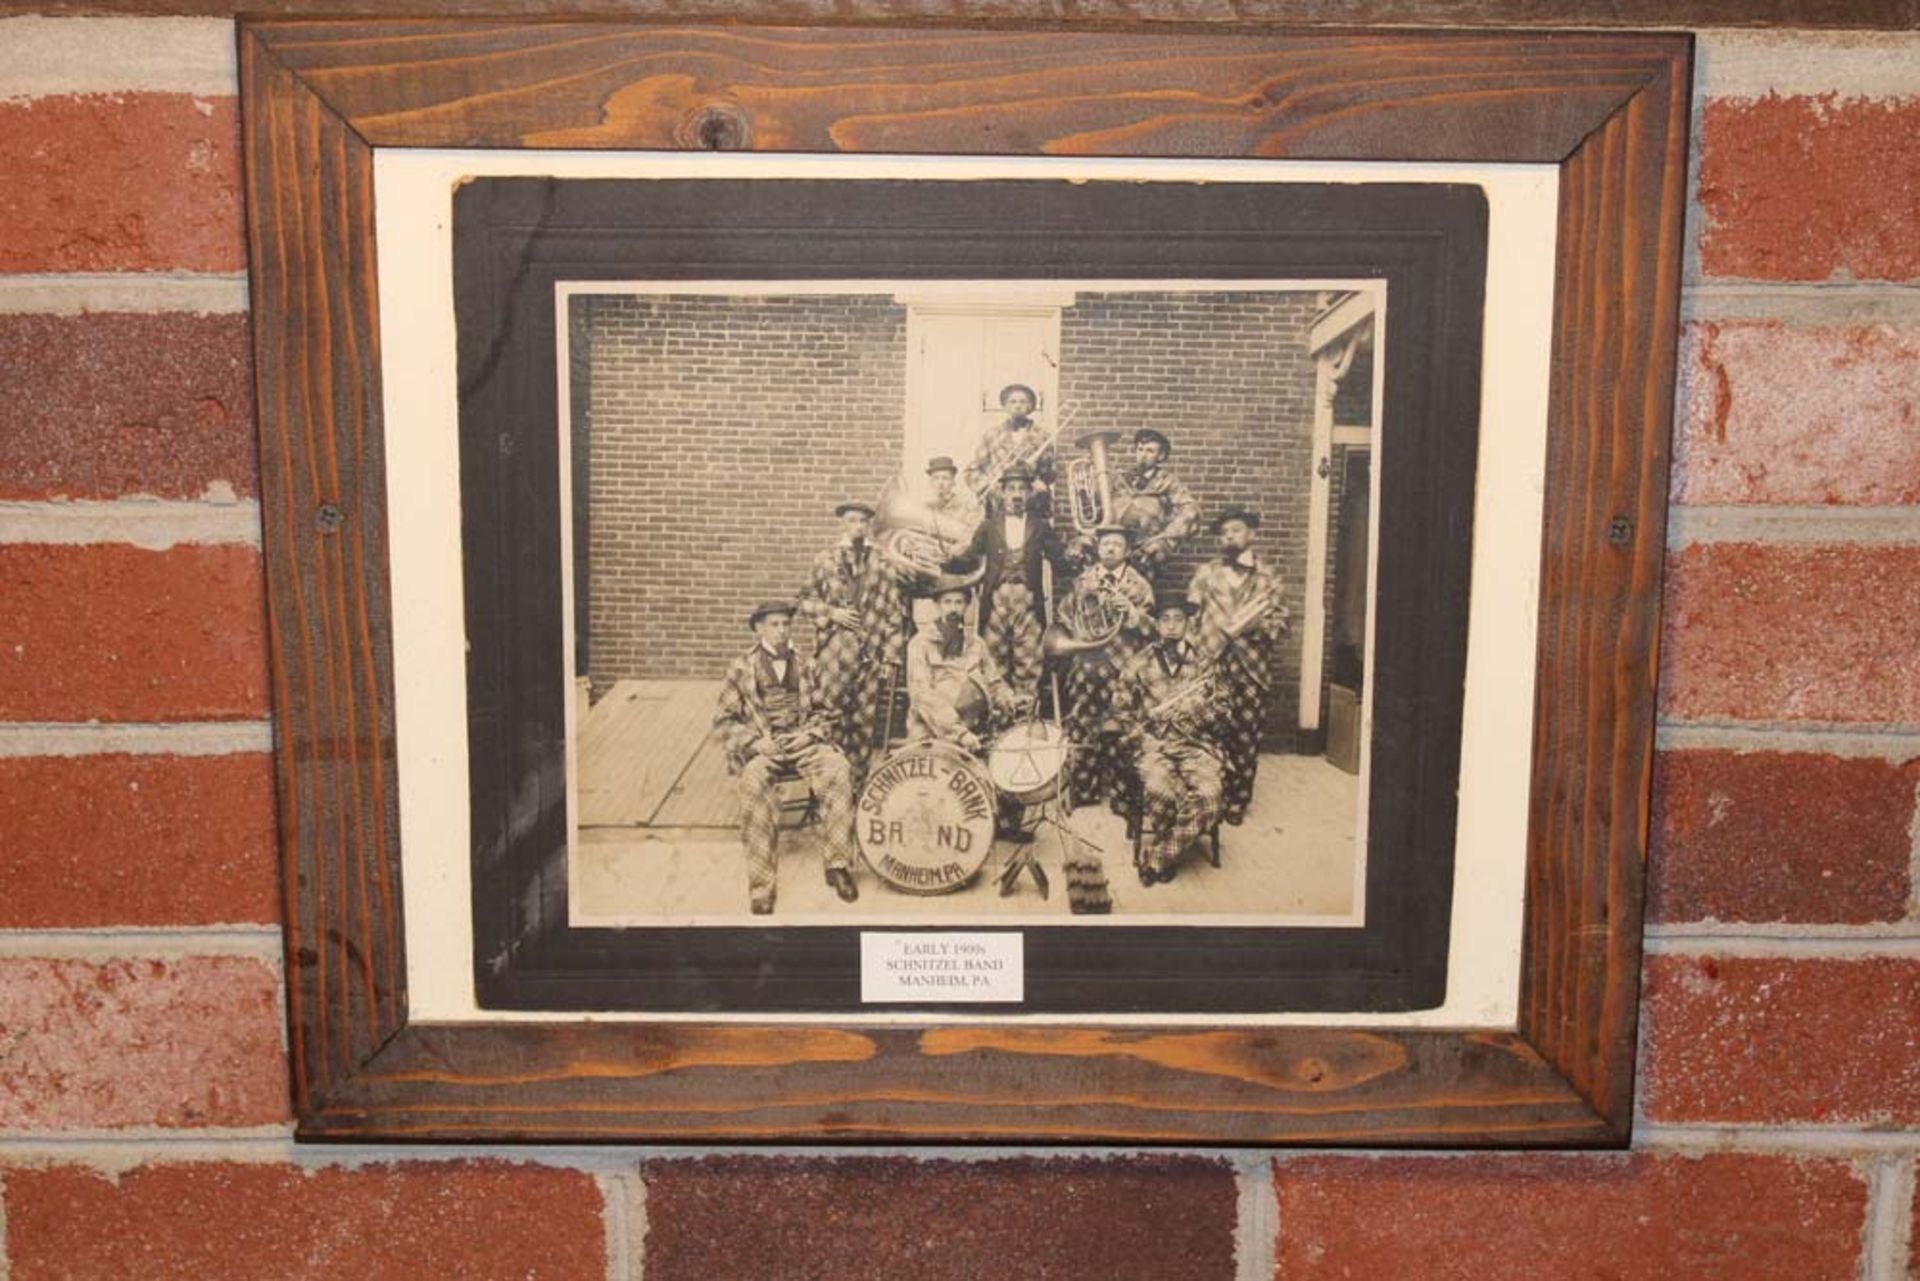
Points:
[943,966]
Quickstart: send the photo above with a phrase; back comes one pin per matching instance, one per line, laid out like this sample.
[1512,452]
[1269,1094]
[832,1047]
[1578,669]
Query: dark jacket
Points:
[990,544]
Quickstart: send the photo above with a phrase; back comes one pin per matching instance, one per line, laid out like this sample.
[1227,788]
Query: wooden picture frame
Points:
[1609,110]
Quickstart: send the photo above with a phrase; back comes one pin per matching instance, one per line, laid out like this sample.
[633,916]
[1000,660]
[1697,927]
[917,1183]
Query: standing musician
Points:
[949,503]
[1238,619]
[955,686]
[1154,503]
[855,599]
[1016,543]
[1106,593]
[1169,701]
[772,720]
[1014,441]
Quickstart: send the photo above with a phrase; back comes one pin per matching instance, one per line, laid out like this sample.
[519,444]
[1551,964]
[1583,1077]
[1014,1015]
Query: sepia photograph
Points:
[970,601]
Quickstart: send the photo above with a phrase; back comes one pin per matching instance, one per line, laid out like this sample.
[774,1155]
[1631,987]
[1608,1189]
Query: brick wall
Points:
[695,516]
[143,1115]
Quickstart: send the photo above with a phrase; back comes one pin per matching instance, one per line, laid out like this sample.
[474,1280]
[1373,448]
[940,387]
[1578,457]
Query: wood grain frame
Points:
[1609,110]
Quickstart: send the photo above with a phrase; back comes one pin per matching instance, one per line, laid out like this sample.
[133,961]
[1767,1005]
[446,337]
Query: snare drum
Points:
[925,818]
[1026,762]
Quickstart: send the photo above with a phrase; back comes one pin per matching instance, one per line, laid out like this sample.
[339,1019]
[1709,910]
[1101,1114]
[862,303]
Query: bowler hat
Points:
[941,463]
[1246,515]
[765,608]
[853,505]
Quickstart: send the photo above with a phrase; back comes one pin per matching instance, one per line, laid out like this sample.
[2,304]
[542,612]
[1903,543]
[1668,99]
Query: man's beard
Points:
[952,635]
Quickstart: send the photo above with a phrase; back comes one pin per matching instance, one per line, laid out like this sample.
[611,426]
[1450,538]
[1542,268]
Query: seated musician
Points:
[955,688]
[1168,701]
[1108,595]
[772,719]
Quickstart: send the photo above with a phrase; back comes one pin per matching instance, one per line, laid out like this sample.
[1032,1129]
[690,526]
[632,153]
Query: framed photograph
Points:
[870,621]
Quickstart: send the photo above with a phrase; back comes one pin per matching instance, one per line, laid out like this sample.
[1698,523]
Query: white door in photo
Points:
[960,352]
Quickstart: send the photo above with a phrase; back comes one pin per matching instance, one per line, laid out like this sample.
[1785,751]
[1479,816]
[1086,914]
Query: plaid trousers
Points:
[1182,785]
[827,772]
[1013,637]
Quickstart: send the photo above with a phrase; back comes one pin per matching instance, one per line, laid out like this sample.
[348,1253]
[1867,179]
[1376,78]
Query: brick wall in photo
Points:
[722,430]
[721,433]
[144,1127]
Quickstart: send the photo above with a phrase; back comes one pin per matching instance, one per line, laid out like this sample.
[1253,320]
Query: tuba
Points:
[1090,482]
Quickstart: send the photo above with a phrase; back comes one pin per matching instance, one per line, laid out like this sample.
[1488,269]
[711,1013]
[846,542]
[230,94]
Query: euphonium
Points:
[917,537]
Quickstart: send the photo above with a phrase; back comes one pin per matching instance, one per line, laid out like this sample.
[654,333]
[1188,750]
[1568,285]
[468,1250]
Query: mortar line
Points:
[1700,524]
[613,1227]
[1775,945]
[1892,742]
[1256,1220]
[155,524]
[54,56]
[1654,1136]
[1801,306]
[249,942]
[1889,1226]
[145,293]
[201,738]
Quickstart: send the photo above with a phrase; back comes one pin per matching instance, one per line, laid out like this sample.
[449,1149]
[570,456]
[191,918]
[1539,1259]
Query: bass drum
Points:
[925,818]
[1026,762]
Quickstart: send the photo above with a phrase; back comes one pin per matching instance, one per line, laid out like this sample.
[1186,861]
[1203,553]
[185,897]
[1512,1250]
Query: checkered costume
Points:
[758,702]
[856,667]
[1177,748]
[998,450]
[1098,755]
[1245,596]
[1160,510]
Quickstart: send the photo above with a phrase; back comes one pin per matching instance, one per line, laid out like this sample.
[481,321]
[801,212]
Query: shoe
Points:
[1147,876]
[762,907]
[1166,874]
[842,881]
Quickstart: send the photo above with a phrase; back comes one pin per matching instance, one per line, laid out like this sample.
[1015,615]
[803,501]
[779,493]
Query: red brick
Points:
[1163,1217]
[468,1219]
[120,182]
[1771,413]
[123,634]
[1794,632]
[1801,188]
[1489,1218]
[1780,837]
[111,1044]
[1773,1040]
[105,405]
[137,840]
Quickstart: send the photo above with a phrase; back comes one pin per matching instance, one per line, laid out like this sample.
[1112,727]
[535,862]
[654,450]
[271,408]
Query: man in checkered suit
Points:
[1168,701]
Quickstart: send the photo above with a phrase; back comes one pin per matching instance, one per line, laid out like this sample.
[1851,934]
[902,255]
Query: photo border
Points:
[1609,110]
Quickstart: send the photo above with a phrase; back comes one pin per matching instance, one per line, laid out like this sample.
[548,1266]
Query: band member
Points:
[955,687]
[1014,441]
[1238,619]
[856,601]
[1169,701]
[772,720]
[950,504]
[1108,592]
[1153,502]
[1015,544]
